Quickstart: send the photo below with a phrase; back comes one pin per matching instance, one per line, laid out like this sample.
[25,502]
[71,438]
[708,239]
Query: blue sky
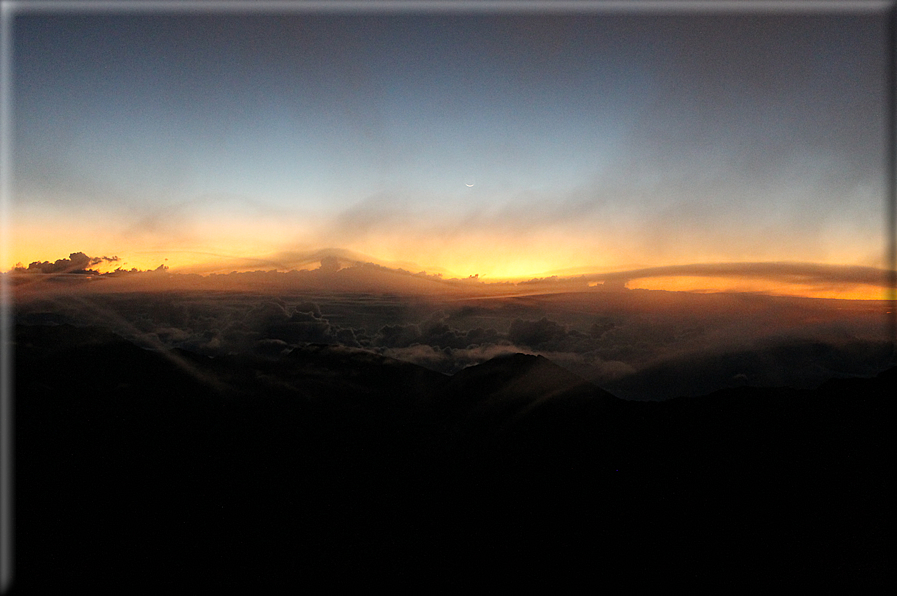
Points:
[591,140]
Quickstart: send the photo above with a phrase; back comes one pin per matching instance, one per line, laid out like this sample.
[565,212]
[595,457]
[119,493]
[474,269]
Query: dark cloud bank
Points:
[289,435]
[326,465]
[629,342]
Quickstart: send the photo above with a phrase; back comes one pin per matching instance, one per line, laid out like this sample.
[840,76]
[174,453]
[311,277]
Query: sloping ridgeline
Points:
[330,467]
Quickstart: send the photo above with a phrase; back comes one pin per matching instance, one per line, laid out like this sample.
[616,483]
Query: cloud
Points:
[397,336]
[308,307]
[274,320]
[266,313]
[329,264]
[271,347]
[772,362]
[804,273]
[383,211]
[449,360]
[603,337]
[349,338]
[535,333]
[316,331]
[78,262]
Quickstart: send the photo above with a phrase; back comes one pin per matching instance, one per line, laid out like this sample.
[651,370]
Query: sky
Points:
[498,144]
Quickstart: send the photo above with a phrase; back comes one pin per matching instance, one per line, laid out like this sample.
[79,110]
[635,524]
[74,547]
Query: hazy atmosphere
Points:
[622,192]
[500,144]
[447,295]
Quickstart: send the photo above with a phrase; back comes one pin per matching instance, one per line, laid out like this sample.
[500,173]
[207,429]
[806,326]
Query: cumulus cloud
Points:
[329,264]
[271,347]
[78,262]
[397,336]
[308,307]
[316,331]
[535,333]
[266,313]
[450,360]
[302,324]
[605,338]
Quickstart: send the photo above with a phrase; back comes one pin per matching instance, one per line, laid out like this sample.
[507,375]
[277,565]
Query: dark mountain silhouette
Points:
[797,363]
[339,468]
[521,378]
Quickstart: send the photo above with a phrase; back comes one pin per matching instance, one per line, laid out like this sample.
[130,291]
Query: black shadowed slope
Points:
[140,470]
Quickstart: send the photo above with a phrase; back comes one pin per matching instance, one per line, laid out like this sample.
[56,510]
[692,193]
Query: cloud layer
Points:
[624,341]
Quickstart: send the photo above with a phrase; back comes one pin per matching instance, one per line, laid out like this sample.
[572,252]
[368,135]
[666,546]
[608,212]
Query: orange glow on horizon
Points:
[708,285]
[500,258]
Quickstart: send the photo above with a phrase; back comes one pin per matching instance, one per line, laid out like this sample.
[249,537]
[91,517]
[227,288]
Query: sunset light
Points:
[590,154]
[330,294]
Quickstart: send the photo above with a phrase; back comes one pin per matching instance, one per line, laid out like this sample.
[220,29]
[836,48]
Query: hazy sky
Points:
[592,141]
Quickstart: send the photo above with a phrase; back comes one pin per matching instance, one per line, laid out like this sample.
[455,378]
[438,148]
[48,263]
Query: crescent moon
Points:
[468,185]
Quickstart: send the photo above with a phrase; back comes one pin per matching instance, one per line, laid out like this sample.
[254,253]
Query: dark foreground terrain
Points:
[141,471]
